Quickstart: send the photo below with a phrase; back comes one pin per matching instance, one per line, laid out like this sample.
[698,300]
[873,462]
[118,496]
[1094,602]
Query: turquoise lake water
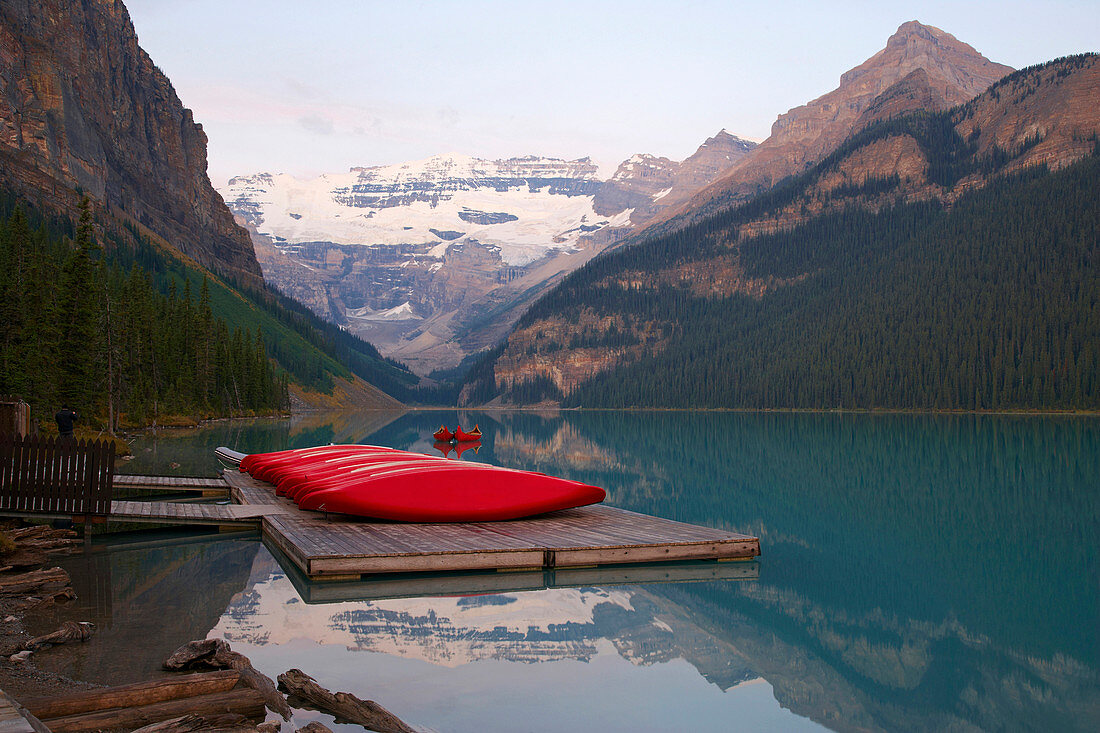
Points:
[917,573]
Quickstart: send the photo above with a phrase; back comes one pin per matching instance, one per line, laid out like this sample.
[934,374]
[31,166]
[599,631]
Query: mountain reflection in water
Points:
[918,572]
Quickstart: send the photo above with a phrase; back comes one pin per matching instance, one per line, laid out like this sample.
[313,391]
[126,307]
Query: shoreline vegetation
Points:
[78,330]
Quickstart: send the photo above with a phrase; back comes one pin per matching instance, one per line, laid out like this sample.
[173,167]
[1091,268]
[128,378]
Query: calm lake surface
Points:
[918,573]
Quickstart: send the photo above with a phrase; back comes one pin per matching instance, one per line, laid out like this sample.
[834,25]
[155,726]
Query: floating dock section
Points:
[336,547]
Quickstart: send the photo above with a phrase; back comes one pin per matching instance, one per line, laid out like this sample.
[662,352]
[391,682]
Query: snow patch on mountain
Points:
[524,206]
[403,312]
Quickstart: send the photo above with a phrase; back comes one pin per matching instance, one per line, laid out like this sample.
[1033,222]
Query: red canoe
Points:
[446,494]
[269,464]
[443,435]
[298,487]
[463,437]
[373,467]
[385,483]
[287,471]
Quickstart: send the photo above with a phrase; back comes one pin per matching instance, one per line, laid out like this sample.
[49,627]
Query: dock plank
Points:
[324,545]
[160,512]
[178,482]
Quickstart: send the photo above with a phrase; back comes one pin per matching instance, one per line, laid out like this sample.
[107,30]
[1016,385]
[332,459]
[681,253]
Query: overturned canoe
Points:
[384,483]
[433,493]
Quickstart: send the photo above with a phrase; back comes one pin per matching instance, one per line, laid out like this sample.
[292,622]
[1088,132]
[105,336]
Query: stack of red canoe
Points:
[385,483]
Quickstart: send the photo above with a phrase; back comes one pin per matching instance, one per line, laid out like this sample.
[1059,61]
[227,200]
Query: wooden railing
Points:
[56,475]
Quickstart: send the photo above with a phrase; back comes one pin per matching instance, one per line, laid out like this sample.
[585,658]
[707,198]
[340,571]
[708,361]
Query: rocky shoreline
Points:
[31,596]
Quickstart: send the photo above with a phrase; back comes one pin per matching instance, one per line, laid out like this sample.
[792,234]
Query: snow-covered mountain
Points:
[434,259]
[523,207]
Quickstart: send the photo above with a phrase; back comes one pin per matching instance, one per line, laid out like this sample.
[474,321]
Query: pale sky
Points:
[312,86]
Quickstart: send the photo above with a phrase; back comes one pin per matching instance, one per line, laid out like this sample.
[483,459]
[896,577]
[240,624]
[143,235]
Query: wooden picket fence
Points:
[56,475]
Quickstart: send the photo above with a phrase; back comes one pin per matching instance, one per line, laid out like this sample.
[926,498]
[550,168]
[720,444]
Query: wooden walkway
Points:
[14,718]
[340,547]
[161,512]
[168,513]
[173,484]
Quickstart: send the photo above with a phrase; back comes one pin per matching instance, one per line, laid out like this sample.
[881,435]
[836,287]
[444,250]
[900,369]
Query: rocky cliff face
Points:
[82,106]
[934,70]
[648,185]
[1047,115]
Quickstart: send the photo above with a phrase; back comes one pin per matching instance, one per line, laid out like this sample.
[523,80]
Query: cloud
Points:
[317,124]
[300,88]
[448,116]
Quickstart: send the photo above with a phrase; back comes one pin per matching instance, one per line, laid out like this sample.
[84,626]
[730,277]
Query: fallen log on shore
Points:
[216,654]
[344,706]
[70,631]
[141,693]
[242,701]
[38,582]
[227,723]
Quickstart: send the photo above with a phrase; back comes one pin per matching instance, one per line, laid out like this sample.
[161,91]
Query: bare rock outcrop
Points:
[83,108]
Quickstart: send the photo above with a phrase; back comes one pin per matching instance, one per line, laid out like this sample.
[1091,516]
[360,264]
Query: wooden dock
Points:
[195,485]
[14,718]
[337,547]
[168,513]
[162,512]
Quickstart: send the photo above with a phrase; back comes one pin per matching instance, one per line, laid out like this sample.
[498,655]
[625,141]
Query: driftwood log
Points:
[140,693]
[40,582]
[241,701]
[70,631]
[226,723]
[216,654]
[345,707]
[44,537]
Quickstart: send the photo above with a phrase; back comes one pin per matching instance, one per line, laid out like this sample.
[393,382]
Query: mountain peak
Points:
[951,72]
[916,29]
[955,68]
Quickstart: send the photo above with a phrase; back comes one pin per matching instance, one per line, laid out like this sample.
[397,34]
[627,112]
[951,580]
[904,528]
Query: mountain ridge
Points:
[940,158]
[955,72]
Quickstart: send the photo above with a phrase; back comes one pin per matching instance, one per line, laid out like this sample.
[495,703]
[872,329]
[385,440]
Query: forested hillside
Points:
[81,331]
[994,304]
[127,332]
[934,261]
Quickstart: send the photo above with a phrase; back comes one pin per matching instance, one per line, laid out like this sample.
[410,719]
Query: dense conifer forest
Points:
[990,304]
[79,329]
